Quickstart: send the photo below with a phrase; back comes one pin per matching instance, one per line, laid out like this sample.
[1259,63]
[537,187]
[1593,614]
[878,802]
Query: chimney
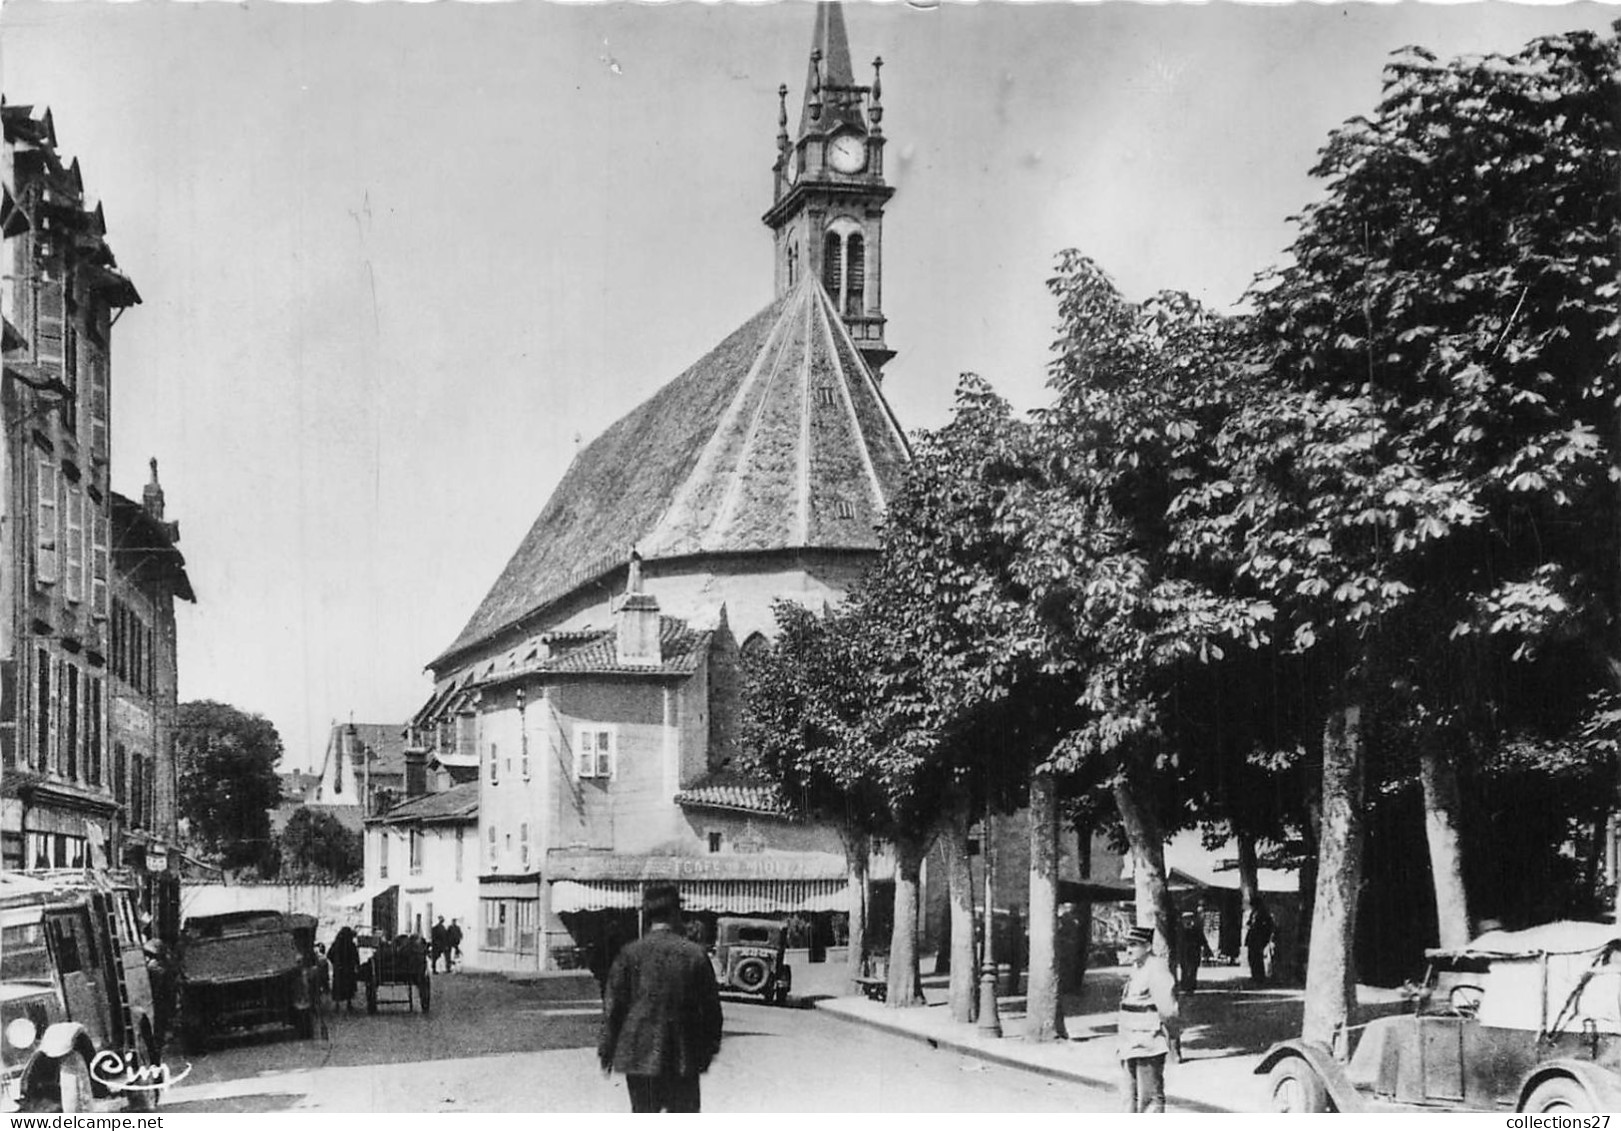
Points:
[152,495]
[637,621]
[416,773]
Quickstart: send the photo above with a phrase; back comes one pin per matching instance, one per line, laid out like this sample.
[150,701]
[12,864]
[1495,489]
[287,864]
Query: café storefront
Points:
[593,899]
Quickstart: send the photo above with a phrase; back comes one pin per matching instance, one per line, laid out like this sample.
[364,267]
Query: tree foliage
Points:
[228,784]
[317,846]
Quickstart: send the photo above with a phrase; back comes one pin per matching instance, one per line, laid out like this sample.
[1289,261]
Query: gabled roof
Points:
[778,439]
[386,741]
[455,805]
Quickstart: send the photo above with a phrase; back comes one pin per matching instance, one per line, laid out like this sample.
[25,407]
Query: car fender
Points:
[62,1040]
[1323,1062]
[1602,1084]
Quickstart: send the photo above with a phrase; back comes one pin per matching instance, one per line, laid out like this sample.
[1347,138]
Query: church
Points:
[597,683]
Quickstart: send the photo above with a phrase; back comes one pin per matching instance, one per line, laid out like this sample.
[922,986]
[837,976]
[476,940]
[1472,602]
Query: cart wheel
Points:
[426,986]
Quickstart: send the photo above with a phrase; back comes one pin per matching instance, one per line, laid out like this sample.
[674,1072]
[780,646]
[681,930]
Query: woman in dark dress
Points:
[345,959]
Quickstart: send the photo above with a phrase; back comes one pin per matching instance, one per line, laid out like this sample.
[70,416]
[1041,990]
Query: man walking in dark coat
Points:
[661,1015]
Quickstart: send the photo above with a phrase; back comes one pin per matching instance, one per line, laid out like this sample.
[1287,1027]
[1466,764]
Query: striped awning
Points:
[726,897]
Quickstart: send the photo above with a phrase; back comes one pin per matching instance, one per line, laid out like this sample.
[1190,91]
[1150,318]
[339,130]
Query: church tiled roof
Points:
[595,652]
[778,439]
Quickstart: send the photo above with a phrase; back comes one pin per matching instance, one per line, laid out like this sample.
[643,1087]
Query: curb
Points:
[1005,1060]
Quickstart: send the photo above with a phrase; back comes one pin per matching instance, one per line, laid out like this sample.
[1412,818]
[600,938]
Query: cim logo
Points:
[113,1071]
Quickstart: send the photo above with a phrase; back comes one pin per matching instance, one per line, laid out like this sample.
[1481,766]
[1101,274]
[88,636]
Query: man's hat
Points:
[1144,935]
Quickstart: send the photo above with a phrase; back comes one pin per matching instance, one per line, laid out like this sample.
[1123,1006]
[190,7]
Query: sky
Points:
[399,261]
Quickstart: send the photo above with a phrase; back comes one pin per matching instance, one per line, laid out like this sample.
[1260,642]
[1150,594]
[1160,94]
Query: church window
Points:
[855,274]
[824,395]
[843,509]
[756,645]
[594,752]
[833,263]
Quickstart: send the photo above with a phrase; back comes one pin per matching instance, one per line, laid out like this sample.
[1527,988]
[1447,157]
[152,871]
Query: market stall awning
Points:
[726,897]
[361,898]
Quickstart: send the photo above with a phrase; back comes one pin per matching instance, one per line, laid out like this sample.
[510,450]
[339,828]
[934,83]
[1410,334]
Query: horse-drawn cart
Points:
[403,962]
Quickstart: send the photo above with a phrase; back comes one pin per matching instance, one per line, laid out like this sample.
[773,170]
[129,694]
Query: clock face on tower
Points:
[847,153]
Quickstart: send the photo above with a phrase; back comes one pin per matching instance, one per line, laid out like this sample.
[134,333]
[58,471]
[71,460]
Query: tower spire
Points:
[829,76]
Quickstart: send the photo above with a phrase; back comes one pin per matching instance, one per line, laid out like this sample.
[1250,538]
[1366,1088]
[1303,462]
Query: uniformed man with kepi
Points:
[1148,1024]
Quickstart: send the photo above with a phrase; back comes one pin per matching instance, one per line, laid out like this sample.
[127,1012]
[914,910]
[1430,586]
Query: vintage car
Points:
[244,970]
[1515,1021]
[748,958]
[76,1009]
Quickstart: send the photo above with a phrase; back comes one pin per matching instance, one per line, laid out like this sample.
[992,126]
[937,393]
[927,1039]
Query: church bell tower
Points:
[827,212]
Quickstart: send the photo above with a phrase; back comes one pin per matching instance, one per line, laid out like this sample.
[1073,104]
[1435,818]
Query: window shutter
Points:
[75,540]
[98,407]
[584,761]
[98,580]
[45,559]
[832,264]
[605,754]
[49,320]
[856,279]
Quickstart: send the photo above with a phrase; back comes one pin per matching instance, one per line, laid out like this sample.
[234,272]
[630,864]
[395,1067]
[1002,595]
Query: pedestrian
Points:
[661,1019]
[438,946]
[1195,949]
[344,955]
[453,939]
[1258,934]
[1148,1025]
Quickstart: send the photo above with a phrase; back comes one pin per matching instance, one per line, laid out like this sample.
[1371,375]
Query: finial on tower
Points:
[782,117]
[875,106]
[815,94]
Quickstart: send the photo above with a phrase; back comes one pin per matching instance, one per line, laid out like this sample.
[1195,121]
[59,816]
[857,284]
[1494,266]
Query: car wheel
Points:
[1560,1093]
[73,1081]
[750,975]
[1295,1086]
[304,1023]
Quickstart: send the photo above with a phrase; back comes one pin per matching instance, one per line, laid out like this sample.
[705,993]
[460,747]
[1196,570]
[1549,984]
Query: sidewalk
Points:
[1227,1025]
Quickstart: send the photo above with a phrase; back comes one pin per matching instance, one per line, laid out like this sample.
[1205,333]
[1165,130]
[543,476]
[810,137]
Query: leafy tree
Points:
[1432,426]
[804,698]
[228,784]
[315,845]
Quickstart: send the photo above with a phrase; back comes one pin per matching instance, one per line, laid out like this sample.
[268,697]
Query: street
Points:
[495,1045]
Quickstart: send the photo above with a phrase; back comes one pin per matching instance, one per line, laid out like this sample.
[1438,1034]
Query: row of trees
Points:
[1260,571]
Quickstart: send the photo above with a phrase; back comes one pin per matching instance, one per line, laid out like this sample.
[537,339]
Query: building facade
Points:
[421,861]
[60,799]
[143,662]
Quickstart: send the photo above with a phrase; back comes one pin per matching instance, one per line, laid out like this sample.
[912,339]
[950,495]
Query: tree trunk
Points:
[1154,905]
[855,963]
[1441,809]
[1044,1009]
[1330,968]
[1249,882]
[905,987]
[960,896]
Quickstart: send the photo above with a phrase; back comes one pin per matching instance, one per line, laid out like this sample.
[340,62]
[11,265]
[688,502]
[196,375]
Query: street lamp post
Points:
[990,1021]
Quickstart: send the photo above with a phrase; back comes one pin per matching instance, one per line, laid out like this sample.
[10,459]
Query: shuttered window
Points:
[594,752]
[49,322]
[855,274]
[98,566]
[45,557]
[75,543]
[832,264]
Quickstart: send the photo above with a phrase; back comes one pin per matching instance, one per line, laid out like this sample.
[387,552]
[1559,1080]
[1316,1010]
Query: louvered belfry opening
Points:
[855,299]
[832,263]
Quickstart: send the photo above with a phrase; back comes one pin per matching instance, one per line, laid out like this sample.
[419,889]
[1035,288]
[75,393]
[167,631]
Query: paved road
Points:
[494,1045]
